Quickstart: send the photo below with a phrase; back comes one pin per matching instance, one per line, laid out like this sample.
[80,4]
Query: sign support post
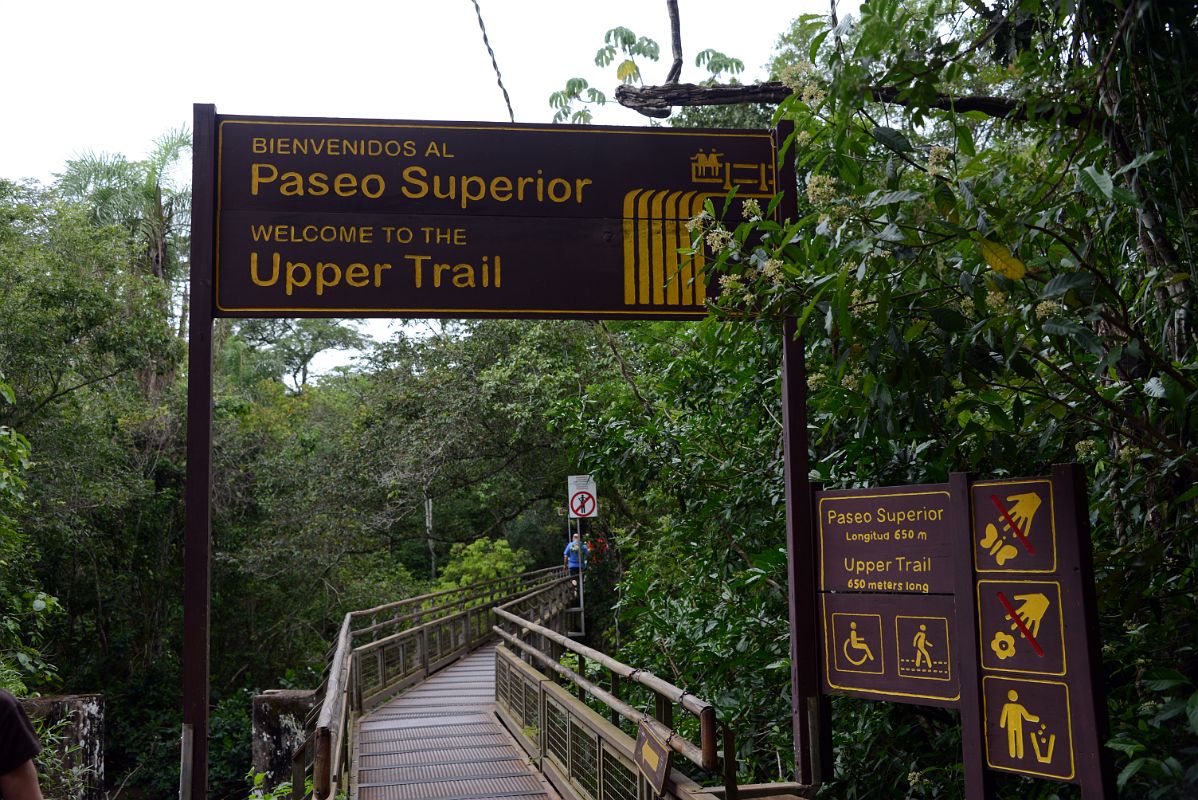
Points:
[1094,773]
[197,543]
[978,782]
[810,711]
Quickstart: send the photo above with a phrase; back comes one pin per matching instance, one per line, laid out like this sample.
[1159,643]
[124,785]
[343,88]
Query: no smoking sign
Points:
[583,497]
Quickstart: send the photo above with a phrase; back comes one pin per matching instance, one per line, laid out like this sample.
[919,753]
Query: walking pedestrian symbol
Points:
[923,648]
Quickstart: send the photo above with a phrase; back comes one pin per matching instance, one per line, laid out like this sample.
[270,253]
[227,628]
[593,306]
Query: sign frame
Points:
[1002,698]
[197,556]
[653,757]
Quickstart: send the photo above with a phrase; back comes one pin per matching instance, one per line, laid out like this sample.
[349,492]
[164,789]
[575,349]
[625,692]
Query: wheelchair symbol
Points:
[858,645]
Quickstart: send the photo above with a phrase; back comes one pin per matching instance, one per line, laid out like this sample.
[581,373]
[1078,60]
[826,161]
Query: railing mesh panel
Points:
[410,655]
[531,692]
[556,733]
[368,672]
[584,767]
[393,660]
[619,782]
[516,696]
[501,690]
[434,645]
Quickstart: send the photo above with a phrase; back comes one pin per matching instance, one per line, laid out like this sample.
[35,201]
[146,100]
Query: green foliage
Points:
[481,560]
[293,343]
[993,290]
[141,198]
[229,731]
[60,774]
[577,90]
[717,63]
[282,791]
[619,43]
[24,609]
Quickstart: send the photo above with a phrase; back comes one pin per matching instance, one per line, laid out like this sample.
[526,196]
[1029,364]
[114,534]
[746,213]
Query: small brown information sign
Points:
[891,540]
[384,218]
[1042,710]
[977,595]
[887,583]
[653,758]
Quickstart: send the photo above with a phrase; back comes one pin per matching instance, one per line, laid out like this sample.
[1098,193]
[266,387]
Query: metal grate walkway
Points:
[440,740]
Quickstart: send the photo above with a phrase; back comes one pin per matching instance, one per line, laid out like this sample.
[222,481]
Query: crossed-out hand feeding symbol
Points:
[1014,522]
[1026,619]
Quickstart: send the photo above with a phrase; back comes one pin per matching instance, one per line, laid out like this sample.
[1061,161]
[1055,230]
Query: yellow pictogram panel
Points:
[658,269]
[1019,625]
[1014,526]
[858,642]
[630,217]
[1028,727]
[662,266]
[924,650]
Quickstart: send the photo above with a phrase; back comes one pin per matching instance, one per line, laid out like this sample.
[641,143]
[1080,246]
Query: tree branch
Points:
[653,100]
[676,38]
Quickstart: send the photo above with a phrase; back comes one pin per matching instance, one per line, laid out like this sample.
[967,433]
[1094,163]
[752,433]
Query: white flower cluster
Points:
[771,270]
[718,239]
[1047,308]
[698,222]
[996,301]
[800,78]
[751,210]
[797,75]
[938,160]
[821,190]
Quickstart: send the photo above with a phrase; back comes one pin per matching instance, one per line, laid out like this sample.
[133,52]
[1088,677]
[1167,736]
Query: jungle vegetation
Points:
[993,262]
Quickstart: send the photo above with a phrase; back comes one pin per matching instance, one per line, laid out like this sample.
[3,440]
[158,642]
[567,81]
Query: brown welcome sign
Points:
[390,218]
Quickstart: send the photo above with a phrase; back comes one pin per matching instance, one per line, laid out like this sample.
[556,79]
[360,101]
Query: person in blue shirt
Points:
[576,555]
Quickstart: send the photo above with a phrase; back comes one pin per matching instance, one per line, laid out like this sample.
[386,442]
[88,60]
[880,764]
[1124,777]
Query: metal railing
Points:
[582,753]
[401,643]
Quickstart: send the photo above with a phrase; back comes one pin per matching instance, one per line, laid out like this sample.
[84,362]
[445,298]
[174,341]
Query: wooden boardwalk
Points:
[441,740]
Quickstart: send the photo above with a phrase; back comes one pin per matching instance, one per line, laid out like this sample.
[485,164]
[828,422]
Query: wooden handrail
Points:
[706,757]
[426,611]
[329,740]
[442,592]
